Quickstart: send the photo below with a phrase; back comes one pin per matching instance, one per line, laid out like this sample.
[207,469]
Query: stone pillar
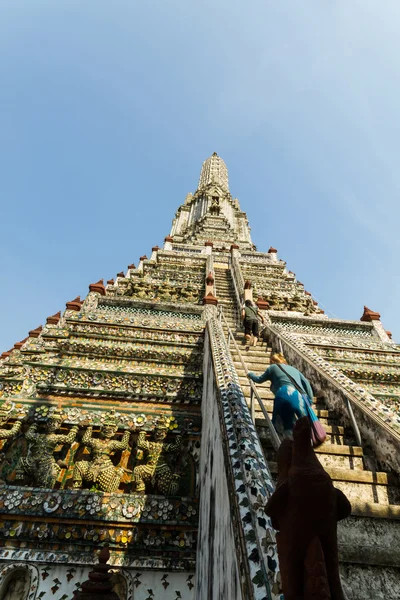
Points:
[210,311]
[210,306]
[248,291]
[168,242]
[154,252]
[208,247]
[370,316]
[141,261]
[273,252]
[235,253]
[209,285]
[92,299]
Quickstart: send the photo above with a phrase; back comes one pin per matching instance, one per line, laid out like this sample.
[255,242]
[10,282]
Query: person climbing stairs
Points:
[369,541]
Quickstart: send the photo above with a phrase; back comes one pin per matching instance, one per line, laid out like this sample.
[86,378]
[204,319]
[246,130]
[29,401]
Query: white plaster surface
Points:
[59,582]
[217,574]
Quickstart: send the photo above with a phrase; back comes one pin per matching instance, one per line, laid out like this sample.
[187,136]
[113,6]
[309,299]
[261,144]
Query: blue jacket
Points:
[278,379]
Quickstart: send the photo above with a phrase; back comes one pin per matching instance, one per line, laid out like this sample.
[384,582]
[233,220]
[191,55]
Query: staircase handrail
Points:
[238,284]
[210,269]
[254,392]
[251,482]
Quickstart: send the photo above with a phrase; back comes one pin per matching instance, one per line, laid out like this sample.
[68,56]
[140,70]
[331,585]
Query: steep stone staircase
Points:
[369,541]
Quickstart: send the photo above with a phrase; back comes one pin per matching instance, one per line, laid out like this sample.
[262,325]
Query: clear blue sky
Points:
[109,108]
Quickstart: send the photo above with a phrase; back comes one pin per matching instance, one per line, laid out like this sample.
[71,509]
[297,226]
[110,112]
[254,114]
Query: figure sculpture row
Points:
[294,303]
[39,467]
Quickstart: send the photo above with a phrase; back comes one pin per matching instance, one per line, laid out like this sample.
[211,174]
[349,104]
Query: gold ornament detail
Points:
[156,470]
[39,465]
[100,470]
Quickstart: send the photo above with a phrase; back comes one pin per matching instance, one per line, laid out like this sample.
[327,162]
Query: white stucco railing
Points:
[238,286]
[249,479]
[370,420]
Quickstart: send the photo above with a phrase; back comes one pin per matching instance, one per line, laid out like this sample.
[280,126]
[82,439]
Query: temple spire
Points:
[211,214]
[214,171]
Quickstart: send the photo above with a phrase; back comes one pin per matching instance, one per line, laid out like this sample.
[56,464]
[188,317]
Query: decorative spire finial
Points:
[214,171]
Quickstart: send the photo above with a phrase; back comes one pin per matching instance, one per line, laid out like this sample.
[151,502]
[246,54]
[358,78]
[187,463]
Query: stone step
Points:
[318,404]
[325,420]
[350,475]
[341,461]
[241,340]
[333,434]
[256,364]
[258,414]
[370,536]
[262,349]
[264,393]
[245,382]
[336,461]
[361,581]
[267,398]
[344,450]
[330,429]
[333,449]
[240,334]
[259,351]
[377,511]
[246,349]
[362,486]
[369,493]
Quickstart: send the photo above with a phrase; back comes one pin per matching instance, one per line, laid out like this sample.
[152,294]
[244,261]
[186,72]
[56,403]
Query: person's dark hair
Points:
[248,303]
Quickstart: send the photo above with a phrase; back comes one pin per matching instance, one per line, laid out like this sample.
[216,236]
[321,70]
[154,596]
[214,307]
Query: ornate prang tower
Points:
[127,420]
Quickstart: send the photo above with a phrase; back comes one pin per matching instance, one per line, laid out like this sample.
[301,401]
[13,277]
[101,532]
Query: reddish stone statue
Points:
[98,585]
[305,509]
